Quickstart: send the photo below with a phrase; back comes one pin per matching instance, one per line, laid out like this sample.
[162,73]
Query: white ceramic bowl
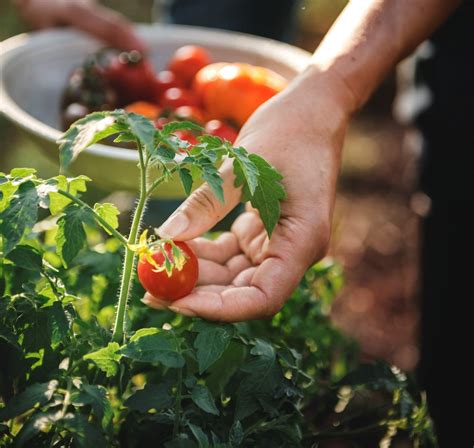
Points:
[35,66]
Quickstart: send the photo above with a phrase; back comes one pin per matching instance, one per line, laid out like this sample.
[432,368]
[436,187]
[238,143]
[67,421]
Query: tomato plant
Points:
[84,363]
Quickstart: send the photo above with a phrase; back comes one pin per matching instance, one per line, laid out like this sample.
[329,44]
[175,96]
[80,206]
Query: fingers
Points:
[219,250]
[202,210]
[102,23]
[251,235]
[155,303]
[212,273]
[270,284]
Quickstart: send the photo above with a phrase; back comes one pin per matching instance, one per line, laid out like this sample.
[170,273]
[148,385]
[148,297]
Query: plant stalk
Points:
[130,256]
[160,180]
[98,218]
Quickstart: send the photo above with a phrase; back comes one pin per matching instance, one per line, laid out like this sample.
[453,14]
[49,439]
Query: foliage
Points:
[78,370]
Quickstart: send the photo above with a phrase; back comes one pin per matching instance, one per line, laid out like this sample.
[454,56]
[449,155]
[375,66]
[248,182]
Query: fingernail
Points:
[182,311]
[175,225]
[153,304]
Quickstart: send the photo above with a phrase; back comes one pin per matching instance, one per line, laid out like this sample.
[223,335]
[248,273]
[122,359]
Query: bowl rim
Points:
[14,45]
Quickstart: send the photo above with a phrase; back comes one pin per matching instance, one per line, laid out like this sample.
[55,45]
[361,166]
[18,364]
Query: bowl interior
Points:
[35,67]
[35,75]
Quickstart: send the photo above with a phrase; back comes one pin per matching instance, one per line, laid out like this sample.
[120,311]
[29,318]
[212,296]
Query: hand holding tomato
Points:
[243,274]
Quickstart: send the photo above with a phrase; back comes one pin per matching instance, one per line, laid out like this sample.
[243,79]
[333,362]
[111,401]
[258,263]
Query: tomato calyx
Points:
[174,257]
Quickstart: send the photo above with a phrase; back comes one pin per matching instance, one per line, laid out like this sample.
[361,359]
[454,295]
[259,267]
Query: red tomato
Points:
[178,284]
[220,129]
[234,91]
[176,97]
[187,137]
[187,61]
[131,76]
[191,113]
[144,108]
[165,80]
[160,122]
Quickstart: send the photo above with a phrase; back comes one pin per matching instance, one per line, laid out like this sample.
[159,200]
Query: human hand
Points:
[243,274]
[85,15]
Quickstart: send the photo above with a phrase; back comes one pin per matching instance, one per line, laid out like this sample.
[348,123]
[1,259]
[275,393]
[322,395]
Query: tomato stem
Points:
[130,256]
[97,217]
[160,180]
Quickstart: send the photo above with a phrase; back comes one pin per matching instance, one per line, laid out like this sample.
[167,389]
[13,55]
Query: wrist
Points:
[320,99]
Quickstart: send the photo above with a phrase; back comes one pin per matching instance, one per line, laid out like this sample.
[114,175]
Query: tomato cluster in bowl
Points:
[219,96]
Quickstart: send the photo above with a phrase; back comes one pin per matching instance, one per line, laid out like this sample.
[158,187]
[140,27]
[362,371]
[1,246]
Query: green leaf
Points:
[36,394]
[264,375]
[186,180]
[200,435]
[202,397]
[26,257]
[8,336]
[85,433]
[143,129]
[50,197]
[210,174]
[96,396]
[38,422]
[268,194]
[163,155]
[152,396]
[22,172]
[85,132]
[181,441]
[211,342]
[174,126]
[106,358]
[20,216]
[59,322]
[7,189]
[248,168]
[160,347]
[221,372]
[109,213]
[144,332]
[4,429]
[236,435]
[71,236]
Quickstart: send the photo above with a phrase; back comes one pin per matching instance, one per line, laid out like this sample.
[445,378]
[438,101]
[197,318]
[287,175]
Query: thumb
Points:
[202,210]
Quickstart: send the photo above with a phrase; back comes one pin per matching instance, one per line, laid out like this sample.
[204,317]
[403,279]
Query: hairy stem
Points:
[130,256]
[97,217]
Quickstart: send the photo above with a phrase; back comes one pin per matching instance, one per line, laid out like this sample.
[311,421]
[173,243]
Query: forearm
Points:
[369,38]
